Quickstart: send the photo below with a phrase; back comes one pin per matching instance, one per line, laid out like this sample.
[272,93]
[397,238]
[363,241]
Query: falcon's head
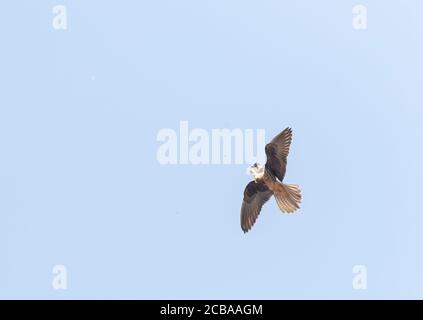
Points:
[256,170]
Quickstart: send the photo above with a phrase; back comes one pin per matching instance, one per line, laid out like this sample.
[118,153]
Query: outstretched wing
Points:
[277,152]
[255,196]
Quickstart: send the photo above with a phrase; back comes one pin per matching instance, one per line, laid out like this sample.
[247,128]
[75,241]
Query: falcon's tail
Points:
[288,197]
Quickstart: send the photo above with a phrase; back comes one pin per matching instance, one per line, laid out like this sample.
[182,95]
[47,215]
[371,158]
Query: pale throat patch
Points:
[256,172]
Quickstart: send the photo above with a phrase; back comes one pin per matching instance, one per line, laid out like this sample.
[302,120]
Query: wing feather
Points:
[277,152]
[255,196]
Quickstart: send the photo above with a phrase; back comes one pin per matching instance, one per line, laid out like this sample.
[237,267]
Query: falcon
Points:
[268,182]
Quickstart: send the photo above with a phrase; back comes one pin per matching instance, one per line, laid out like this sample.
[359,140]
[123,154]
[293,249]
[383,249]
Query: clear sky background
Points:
[80,184]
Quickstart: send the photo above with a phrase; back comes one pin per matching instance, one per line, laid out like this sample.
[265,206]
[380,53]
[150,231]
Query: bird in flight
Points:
[268,182]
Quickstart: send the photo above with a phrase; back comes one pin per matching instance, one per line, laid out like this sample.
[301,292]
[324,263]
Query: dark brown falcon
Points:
[268,182]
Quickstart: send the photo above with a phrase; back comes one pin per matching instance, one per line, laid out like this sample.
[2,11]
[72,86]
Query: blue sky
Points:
[80,184]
